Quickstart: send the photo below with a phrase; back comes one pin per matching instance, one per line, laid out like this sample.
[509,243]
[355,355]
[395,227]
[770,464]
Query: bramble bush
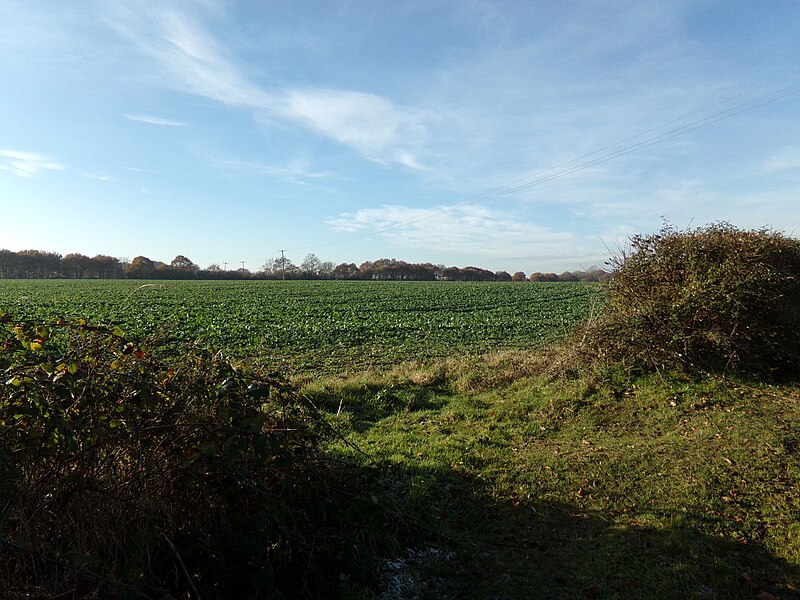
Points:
[713,299]
[145,471]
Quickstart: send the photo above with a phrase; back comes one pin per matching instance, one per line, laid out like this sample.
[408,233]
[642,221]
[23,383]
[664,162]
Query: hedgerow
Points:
[137,471]
[713,299]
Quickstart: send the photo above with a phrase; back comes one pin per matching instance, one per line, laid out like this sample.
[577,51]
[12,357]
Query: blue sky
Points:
[228,130]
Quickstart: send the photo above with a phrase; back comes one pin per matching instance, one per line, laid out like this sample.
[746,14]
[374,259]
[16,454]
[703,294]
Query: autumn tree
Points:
[543,277]
[345,271]
[106,267]
[76,265]
[141,267]
[181,263]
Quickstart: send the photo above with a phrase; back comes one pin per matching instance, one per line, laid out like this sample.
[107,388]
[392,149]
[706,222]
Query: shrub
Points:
[142,472]
[715,299]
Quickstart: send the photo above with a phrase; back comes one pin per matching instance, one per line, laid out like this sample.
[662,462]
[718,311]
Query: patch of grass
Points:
[651,487]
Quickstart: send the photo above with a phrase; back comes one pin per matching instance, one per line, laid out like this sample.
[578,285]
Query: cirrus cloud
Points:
[370,124]
[457,229]
[194,61]
[27,164]
[154,120]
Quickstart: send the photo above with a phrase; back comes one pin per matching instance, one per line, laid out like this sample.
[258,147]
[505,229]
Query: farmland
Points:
[328,326]
[453,474]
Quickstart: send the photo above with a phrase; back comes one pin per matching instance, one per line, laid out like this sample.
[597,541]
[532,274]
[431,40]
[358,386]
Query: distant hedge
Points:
[713,299]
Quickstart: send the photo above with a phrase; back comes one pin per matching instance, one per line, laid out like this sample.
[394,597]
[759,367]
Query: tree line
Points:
[36,264]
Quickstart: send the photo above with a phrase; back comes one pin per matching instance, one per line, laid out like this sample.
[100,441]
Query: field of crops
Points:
[318,325]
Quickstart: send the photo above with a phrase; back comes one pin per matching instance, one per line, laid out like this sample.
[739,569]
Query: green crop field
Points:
[426,439]
[319,325]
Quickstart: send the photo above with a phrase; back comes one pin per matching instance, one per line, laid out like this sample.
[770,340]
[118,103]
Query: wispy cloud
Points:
[371,124]
[154,120]
[298,171]
[785,161]
[458,131]
[191,57]
[27,164]
[97,177]
[195,62]
[458,230]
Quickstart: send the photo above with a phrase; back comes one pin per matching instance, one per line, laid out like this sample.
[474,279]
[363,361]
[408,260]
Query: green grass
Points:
[659,489]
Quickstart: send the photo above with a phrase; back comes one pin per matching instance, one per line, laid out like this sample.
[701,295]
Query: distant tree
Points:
[310,267]
[164,271]
[268,268]
[179,267]
[76,266]
[423,272]
[326,269]
[518,276]
[567,276]
[35,264]
[475,274]
[450,273]
[276,268]
[502,276]
[383,268]
[51,264]
[543,277]
[364,271]
[30,264]
[9,263]
[595,274]
[271,268]
[345,271]
[141,267]
[181,263]
[214,271]
[427,271]
[106,267]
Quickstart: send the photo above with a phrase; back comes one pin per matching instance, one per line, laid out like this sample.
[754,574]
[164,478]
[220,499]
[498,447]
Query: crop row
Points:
[318,324]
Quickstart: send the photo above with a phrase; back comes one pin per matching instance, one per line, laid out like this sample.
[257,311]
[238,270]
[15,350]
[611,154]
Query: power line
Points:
[601,155]
[554,172]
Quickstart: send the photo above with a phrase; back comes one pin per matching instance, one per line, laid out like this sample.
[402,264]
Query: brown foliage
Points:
[716,299]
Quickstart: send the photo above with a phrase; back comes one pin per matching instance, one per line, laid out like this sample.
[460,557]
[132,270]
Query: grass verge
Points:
[640,488]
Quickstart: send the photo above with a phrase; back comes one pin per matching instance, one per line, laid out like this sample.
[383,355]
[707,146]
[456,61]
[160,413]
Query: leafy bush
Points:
[152,472]
[716,298]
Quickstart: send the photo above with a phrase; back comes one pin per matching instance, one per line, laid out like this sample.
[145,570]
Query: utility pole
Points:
[283,265]
[225,263]
[242,265]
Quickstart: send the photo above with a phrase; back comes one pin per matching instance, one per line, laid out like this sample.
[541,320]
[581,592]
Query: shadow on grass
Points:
[470,546]
[367,404]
